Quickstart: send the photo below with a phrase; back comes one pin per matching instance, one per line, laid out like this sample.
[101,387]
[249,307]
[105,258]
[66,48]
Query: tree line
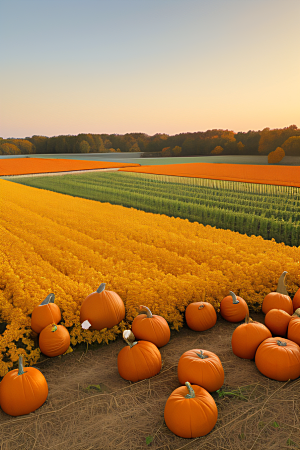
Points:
[210,142]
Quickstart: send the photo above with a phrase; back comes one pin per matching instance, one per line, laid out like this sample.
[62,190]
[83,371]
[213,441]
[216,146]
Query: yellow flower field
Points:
[56,243]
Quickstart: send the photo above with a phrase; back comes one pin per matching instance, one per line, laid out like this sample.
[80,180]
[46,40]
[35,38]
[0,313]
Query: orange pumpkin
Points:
[294,327]
[279,299]
[247,337]
[23,391]
[103,309]
[233,308]
[190,411]
[45,314]
[139,360]
[54,340]
[201,367]
[277,321]
[200,316]
[152,328]
[279,359]
[296,300]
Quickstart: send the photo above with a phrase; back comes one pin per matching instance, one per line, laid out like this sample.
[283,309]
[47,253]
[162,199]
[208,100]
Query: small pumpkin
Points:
[190,411]
[247,337]
[200,316]
[296,300]
[45,314]
[294,327]
[151,327]
[54,340]
[139,360]
[279,359]
[103,309]
[201,367]
[277,321]
[279,299]
[233,308]
[23,391]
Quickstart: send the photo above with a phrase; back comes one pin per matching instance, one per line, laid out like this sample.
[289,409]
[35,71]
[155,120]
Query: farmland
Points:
[157,240]
[248,208]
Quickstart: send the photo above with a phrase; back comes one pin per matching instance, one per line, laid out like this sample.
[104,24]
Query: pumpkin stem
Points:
[49,299]
[234,299]
[148,312]
[281,344]
[201,306]
[281,288]
[191,393]
[101,288]
[54,327]
[248,319]
[21,368]
[201,355]
[129,337]
[297,313]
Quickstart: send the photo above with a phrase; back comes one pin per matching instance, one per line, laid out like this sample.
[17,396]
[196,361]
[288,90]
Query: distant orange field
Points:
[276,175]
[22,166]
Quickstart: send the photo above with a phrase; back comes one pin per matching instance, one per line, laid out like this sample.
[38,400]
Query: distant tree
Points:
[240,147]
[276,156]
[84,147]
[135,148]
[9,149]
[25,146]
[271,139]
[107,144]
[166,151]
[292,146]
[217,150]
[176,151]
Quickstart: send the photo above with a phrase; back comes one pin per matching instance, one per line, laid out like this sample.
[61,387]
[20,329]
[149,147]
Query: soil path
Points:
[90,406]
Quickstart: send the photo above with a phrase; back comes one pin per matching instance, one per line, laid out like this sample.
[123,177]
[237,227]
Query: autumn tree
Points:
[217,150]
[240,146]
[84,147]
[176,151]
[166,151]
[276,156]
[9,149]
[292,146]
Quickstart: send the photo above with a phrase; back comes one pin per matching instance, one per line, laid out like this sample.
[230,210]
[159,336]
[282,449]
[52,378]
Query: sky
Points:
[149,66]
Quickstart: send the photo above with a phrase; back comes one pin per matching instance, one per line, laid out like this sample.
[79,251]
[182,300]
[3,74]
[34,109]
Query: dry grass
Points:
[91,407]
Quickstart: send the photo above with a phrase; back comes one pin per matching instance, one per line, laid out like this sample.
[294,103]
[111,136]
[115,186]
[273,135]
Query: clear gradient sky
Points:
[151,66]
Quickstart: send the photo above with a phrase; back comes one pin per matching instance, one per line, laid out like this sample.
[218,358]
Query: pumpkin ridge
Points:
[149,350]
[112,306]
[147,364]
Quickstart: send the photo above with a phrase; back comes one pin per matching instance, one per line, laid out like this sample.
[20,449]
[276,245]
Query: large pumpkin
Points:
[296,300]
[277,321]
[200,316]
[190,411]
[279,299]
[201,367]
[233,308]
[139,360]
[294,327]
[23,391]
[54,340]
[45,314]
[279,359]
[247,337]
[103,309]
[151,327]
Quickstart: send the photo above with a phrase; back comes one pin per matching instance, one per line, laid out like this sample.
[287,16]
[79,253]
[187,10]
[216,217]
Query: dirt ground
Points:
[90,406]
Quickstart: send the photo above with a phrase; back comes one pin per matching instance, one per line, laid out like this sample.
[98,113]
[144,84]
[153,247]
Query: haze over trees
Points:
[210,142]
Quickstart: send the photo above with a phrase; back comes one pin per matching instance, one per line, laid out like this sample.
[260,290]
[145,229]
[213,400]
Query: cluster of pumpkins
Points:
[190,410]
